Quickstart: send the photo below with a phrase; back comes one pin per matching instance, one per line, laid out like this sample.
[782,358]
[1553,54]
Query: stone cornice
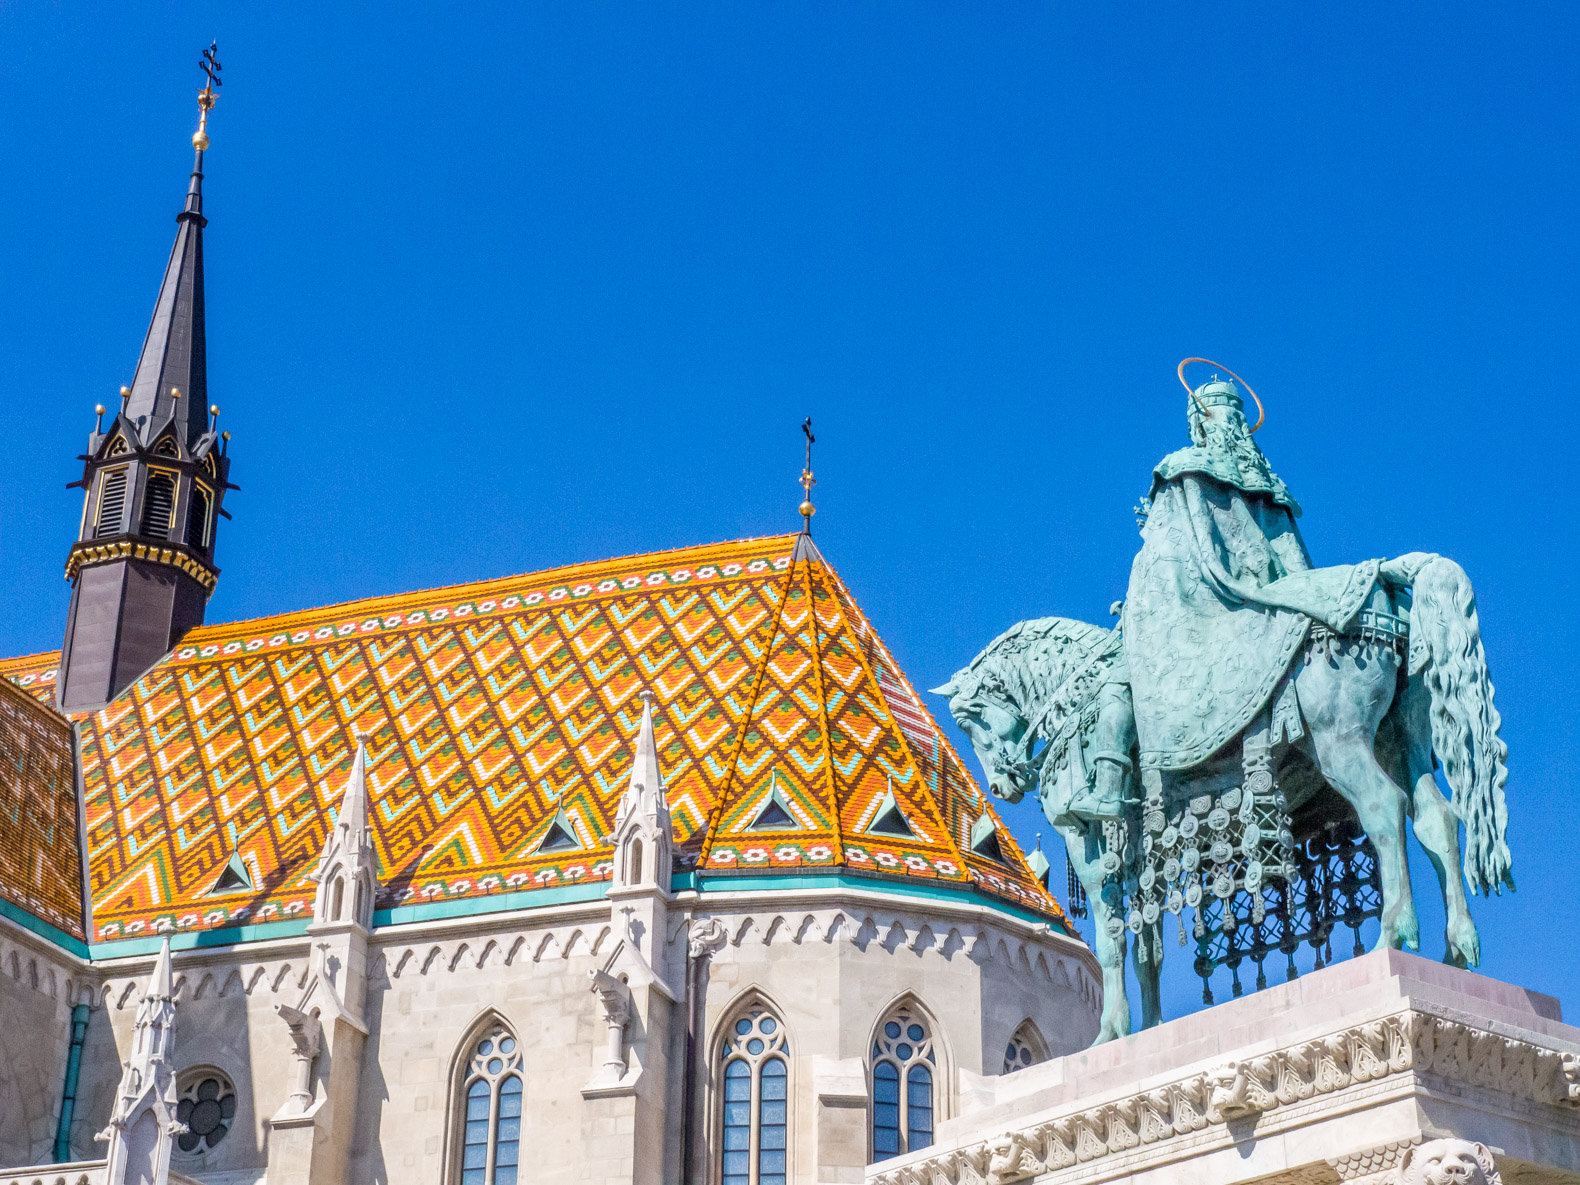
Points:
[1409,1048]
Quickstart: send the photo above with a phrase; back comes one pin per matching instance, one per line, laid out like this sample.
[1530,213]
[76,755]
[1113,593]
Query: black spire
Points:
[172,373]
[143,567]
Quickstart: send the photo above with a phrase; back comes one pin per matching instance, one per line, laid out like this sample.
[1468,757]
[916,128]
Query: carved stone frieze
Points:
[1242,1089]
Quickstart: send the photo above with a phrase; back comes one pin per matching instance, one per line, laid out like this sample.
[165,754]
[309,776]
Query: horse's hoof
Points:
[1462,945]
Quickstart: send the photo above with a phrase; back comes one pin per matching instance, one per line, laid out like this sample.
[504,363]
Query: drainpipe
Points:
[688,1084]
[68,1094]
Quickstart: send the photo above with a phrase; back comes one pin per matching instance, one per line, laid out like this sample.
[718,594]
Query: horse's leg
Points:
[1343,699]
[1436,824]
[1084,842]
[1149,975]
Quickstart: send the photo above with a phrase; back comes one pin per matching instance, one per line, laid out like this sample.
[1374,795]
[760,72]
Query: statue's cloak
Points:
[1221,598]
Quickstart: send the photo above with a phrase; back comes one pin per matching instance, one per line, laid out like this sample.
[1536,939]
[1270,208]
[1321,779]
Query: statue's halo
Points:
[1261,414]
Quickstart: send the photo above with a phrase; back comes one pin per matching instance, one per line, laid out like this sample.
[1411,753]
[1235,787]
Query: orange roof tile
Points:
[497,706]
[40,858]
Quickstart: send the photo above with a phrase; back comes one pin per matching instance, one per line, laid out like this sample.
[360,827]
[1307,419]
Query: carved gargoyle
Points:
[1231,1092]
[1449,1162]
[1011,1158]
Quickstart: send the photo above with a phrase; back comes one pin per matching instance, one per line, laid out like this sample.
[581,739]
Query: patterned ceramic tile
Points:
[494,706]
[40,859]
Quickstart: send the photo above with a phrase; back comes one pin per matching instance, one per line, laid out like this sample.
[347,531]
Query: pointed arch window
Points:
[112,503]
[490,1107]
[904,1074]
[159,500]
[197,518]
[1026,1048]
[755,1100]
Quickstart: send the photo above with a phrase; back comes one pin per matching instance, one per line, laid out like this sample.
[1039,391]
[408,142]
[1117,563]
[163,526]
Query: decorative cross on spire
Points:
[211,67]
[807,480]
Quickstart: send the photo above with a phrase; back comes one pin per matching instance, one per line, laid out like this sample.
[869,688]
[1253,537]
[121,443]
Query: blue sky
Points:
[497,288]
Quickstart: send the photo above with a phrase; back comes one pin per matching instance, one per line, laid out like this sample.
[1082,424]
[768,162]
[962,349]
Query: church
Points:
[655,869]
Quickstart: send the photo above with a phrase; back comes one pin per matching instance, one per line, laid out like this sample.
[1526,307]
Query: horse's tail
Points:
[1446,648]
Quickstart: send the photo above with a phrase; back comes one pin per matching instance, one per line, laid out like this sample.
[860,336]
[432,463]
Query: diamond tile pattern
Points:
[40,859]
[493,706]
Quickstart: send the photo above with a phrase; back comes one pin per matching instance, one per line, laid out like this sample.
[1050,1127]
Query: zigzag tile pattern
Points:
[492,707]
[40,858]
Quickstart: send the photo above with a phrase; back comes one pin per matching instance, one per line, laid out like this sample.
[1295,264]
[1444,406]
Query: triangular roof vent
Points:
[560,835]
[774,814]
[984,839]
[1038,863]
[235,877]
[889,819]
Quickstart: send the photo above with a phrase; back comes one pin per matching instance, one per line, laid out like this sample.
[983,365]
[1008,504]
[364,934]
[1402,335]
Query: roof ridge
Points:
[810,556]
[930,797]
[898,672]
[726,797]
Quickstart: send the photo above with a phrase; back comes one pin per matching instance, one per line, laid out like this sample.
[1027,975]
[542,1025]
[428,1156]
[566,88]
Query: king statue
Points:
[1247,701]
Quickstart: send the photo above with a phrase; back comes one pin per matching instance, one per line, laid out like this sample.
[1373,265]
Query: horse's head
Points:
[1007,688]
[985,710]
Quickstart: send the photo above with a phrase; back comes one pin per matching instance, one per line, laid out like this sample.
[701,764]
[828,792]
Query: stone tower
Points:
[142,568]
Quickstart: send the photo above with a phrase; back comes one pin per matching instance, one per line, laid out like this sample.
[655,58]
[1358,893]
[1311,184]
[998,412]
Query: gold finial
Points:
[98,409]
[125,391]
[210,67]
[807,480]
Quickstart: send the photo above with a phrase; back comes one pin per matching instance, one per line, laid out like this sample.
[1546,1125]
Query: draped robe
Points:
[1221,597]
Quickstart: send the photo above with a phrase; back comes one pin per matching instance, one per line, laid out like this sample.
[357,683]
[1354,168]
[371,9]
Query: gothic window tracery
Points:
[904,1073]
[1026,1048]
[755,1100]
[490,1107]
[206,1103]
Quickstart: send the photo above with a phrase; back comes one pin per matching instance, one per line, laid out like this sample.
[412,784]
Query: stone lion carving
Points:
[1449,1162]
[1010,1158]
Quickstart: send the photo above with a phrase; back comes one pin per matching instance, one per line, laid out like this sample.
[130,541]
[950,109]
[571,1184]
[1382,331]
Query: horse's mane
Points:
[1030,660]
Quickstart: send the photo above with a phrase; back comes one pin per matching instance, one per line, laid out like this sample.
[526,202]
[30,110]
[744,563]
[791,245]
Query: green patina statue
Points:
[1245,700]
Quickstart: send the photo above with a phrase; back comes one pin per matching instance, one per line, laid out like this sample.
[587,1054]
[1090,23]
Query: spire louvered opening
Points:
[197,518]
[158,503]
[112,503]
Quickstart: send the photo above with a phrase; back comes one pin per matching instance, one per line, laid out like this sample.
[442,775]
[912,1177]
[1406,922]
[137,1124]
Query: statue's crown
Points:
[1220,393]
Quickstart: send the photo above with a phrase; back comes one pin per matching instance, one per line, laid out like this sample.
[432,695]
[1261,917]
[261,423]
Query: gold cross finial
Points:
[807,480]
[211,68]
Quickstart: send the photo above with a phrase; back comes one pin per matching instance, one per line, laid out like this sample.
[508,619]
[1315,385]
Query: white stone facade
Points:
[829,962]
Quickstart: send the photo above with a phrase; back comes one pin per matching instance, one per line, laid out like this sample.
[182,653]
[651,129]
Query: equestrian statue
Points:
[1245,701]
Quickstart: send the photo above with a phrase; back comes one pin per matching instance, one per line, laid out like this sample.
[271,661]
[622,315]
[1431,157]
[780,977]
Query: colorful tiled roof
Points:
[499,709]
[40,859]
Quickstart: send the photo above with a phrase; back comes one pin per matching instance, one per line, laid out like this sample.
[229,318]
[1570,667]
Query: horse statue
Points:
[1245,700]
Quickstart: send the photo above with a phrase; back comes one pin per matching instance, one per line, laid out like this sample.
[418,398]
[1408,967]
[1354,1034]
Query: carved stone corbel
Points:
[306,1040]
[705,936]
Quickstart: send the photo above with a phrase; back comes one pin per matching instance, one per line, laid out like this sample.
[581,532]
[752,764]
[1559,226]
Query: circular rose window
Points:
[206,1103]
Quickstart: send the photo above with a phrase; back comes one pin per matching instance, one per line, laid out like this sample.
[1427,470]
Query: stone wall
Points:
[37,990]
[830,962]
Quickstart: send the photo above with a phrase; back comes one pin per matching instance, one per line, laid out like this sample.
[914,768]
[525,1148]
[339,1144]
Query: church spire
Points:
[171,381]
[143,1126]
[143,566]
[643,830]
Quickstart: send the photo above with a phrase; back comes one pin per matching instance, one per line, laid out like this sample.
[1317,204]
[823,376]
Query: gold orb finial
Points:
[125,391]
[807,480]
[98,409]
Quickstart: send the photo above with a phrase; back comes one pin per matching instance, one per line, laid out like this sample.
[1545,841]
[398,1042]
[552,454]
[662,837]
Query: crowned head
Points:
[1216,407]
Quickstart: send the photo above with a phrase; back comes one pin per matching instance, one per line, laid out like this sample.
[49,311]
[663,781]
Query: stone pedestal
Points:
[1336,1077]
